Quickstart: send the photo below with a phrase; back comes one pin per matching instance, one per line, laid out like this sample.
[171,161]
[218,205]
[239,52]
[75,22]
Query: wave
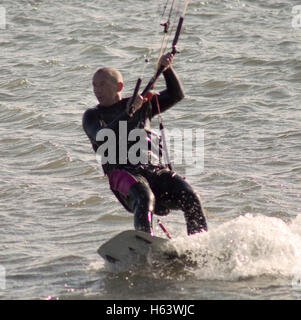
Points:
[247,246]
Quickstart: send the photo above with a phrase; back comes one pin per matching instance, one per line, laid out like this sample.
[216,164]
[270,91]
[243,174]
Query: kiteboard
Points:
[137,247]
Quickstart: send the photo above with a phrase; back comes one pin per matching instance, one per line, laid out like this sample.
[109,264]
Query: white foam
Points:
[96,265]
[245,247]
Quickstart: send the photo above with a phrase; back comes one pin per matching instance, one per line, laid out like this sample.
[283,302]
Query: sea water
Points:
[241,70]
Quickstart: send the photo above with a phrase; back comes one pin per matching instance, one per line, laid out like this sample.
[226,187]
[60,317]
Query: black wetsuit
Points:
[145,188]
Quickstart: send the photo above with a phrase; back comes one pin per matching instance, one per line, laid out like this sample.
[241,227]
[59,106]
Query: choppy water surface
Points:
[241,69]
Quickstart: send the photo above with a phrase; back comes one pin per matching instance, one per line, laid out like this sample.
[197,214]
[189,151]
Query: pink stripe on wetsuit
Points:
[121,181]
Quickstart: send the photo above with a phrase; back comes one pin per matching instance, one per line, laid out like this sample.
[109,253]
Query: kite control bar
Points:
[137,87]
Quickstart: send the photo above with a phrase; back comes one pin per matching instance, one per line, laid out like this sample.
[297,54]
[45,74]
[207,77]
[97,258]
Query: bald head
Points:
[108,74]
[107,84]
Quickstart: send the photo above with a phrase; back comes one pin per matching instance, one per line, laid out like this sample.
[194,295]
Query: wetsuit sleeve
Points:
[171,95]
[92,125]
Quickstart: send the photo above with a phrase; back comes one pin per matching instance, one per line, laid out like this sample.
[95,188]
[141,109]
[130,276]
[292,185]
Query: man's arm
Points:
[171,95]
[92,125]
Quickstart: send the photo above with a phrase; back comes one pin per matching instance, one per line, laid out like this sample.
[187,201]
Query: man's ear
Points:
[119,86]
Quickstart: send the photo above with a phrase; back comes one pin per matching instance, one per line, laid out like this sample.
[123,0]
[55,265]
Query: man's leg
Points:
[142,200]
[174,192]
[136,196]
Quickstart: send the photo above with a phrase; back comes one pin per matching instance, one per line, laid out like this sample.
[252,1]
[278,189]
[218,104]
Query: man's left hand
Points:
[166,60]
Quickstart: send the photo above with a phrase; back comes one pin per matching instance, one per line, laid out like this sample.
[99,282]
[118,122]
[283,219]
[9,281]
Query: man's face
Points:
[104,91]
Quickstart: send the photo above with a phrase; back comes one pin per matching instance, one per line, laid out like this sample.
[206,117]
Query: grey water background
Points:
[240,65]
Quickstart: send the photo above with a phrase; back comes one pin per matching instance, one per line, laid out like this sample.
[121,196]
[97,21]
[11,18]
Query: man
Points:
[144,188]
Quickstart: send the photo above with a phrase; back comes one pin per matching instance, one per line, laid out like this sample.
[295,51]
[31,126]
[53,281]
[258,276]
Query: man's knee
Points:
[142,196]
[161,210]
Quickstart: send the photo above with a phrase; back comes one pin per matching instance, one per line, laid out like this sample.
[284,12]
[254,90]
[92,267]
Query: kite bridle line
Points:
[153,80]
[159,71]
